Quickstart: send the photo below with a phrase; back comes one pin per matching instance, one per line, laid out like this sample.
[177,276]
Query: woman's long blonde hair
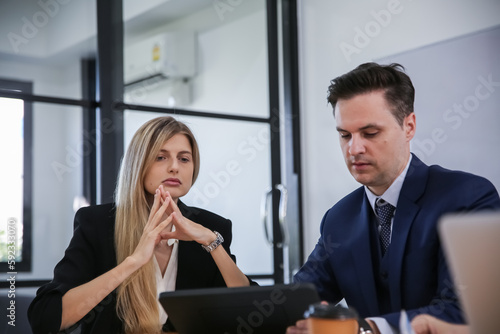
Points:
[137,296]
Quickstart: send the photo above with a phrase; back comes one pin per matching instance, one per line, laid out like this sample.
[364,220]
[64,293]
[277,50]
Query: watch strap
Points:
[214,244]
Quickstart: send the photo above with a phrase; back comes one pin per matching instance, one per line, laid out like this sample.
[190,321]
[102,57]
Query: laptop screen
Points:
[471,243]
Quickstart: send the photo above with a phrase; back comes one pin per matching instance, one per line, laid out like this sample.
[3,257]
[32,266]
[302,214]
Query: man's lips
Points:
[172,182]
[360,164]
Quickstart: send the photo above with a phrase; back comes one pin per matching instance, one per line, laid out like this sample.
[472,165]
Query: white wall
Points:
[457,102]
[324,26]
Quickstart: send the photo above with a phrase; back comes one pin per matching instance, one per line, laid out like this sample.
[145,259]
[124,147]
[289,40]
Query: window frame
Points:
[24,87]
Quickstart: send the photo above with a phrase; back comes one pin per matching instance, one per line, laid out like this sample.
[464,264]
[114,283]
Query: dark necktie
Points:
[384,212]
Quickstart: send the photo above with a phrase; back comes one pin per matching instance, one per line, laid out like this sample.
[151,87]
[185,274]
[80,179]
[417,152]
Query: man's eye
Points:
[371,134]
[344,135]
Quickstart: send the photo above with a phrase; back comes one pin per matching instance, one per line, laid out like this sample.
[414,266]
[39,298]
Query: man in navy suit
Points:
[379,247]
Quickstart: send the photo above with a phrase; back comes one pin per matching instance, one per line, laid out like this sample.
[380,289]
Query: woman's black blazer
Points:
[91,253]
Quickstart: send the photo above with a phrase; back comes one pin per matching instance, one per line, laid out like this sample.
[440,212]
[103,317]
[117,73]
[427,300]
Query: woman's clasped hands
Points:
[164,215]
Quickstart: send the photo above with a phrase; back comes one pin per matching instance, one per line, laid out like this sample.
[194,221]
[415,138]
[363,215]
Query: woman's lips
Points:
[173,182]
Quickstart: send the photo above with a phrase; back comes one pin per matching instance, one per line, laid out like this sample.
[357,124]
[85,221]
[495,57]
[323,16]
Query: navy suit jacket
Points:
[417,276]
[91,253]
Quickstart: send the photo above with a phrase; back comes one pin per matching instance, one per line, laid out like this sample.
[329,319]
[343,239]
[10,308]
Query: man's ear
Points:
[410,126]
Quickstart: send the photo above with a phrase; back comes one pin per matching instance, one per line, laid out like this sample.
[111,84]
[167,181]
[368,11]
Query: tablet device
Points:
[242,310]
[471,242]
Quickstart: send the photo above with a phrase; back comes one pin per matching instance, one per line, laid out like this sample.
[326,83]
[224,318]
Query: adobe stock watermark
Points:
[449,296]
[363,36]
[222,7]
[74,156]
[263,309]
[139,91]
[455,115]
[12,273]
[247,151]
[325,248]
[31,26]
[96,303]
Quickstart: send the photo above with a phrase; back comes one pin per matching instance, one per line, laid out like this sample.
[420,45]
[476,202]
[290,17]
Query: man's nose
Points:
[356,145]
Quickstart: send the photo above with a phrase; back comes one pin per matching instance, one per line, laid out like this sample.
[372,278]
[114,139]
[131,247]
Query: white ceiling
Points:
[70,29]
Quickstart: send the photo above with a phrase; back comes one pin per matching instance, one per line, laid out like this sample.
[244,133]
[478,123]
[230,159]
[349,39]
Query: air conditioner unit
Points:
[164,56]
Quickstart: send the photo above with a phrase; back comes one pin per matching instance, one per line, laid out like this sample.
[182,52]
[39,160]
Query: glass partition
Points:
[43,46]
[197,55]
[234,175]
[44,42]
[58,152]
[211,58]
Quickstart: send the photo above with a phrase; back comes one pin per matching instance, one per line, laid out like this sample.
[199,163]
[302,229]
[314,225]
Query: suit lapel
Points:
[406,211]
[361,253]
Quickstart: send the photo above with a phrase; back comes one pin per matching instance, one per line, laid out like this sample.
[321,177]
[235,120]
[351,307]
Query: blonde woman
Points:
[123,254]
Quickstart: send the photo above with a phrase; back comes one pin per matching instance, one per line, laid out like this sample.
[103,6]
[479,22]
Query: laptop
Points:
[471,244]
[242,310]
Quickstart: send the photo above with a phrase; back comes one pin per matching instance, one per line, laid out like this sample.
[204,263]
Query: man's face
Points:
[375,147]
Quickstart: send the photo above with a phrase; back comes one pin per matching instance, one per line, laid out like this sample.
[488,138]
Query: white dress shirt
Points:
[391,196]
[167,282]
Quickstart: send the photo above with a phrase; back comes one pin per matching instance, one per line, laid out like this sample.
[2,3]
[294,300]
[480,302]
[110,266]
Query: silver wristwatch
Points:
[214,244]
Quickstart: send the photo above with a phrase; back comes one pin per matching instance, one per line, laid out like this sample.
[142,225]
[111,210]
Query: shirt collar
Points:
[391,195]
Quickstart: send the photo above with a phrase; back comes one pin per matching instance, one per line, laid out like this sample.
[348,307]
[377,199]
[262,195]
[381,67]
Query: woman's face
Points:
[173,168]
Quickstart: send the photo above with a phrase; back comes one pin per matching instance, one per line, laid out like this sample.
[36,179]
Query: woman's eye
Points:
[184,159]
[160,158]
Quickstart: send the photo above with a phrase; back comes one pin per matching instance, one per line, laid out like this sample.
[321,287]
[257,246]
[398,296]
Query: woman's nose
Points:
[173,166]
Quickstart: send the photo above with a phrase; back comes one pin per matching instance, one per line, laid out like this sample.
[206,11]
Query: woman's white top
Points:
[167,282]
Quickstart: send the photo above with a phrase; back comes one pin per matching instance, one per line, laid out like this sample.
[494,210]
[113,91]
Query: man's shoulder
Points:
[460,187]
[355,195]
[351,201]
[440,174]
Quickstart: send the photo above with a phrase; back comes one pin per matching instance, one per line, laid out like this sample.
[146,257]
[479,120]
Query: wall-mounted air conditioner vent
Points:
[164,56]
